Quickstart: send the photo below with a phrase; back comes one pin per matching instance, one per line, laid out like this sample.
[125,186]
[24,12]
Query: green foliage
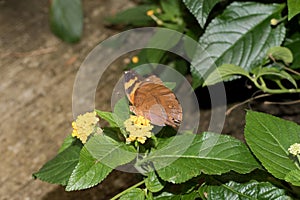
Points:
[66,19]
[294,8]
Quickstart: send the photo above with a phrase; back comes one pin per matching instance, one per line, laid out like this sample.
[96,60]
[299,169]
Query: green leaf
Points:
[121,112]
[244,191]
[66,19]
[293,177]
[135,16]
[269,138]
[180,158]
[107,116]
[171,196]
[134,194]
[88,172]
[293,43]
[109,151]
[275,72]
[171,7]
[69,140]
[232,38]
[281,53]
[223,73]
[200,9]
[59,169]
[293,8]
[153,183]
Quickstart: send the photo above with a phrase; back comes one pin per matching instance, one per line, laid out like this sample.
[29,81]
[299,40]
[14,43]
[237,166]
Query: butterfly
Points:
[151,99]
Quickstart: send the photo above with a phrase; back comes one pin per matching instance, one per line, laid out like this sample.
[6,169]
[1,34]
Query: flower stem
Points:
[128,189]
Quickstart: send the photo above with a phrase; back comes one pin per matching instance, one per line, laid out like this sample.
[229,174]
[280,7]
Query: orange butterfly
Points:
[152,100]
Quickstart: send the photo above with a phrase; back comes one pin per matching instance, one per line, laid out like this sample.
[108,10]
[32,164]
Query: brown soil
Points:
[37,76]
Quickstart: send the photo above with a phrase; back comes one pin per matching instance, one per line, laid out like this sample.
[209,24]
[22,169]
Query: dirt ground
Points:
[37,77]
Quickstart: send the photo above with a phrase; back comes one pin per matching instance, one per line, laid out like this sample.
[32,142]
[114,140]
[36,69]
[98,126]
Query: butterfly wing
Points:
[157,103]
[132,82]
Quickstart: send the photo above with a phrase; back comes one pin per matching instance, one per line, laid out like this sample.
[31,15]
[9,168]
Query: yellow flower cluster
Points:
[139,129]
[85,125]
[294,149]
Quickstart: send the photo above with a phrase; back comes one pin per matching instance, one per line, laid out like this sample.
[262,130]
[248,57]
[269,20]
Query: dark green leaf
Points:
[293,7]
[67,143]
[66,19]
[180,158]
[281,53]
[244,191]
[109,151]
[107,116]
[153,183]
[232,38]
[293,177]
[171,7]
[223,73]
[134,194]
[171,196]
[293,43]
[200,9]
[135,16]
[88,172]
[59,169]
[269,138]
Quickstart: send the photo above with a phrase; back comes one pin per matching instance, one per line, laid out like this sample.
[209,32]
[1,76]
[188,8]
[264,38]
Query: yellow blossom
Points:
[274,22]
[294,149]
[139,129]
[150,12]
[135,59]
[85,125]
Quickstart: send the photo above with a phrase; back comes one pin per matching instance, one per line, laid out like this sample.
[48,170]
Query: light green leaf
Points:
[171,7]
[265,71]
[109,151]
[293,177]
[244,191]
[153,183]
[88,172]
[180,158]
[68,141]
[223,73]
[136,16]
[200,9]
[59,169]
[232,38]
[66,19]
[171,196]
[107,116]
[134,194]
[121,112]
[269,138]
[281,53]
[293,8]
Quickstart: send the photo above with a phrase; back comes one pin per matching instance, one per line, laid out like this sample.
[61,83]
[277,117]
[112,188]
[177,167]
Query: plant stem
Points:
[130,188]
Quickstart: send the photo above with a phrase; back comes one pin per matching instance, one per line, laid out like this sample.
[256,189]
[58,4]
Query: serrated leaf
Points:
[200,9]
[88,172]
[109,151]
[180,158]
[244,191]
[281,53]
[135,16]
[171,196]
[232,38]
[59,169]
[293,177]
[269,138]
[68,141]
[107,116]
[223,73]
[66,19]
[153,183]
[293,8]
[134,194]
[265,71]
